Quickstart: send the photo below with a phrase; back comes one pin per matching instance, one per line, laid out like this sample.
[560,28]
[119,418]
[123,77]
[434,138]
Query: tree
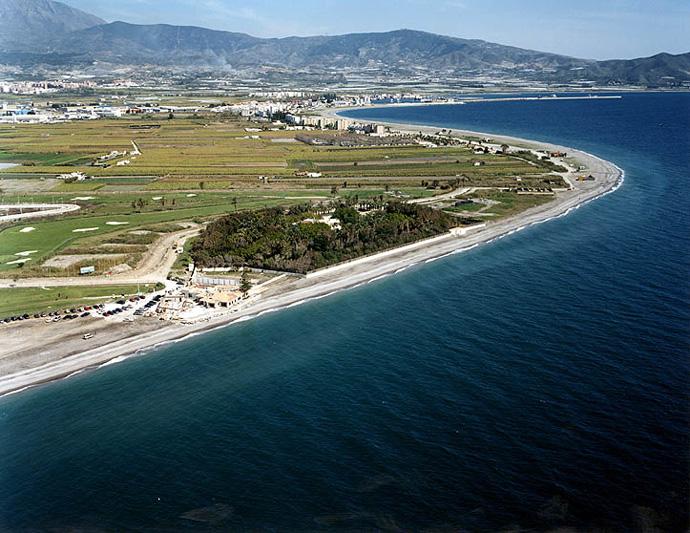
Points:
[245,284]
[202,185]
[234,202]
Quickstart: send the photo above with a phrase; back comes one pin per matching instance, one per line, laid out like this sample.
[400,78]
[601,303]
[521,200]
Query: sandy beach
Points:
[34,357]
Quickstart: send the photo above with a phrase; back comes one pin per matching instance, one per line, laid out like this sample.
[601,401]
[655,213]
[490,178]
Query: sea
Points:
[538,382]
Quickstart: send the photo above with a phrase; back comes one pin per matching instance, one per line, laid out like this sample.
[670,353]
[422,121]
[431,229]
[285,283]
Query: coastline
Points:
[338,277]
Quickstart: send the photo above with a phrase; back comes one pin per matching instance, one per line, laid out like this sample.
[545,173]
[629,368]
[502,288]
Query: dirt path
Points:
[153,268]
[440,197]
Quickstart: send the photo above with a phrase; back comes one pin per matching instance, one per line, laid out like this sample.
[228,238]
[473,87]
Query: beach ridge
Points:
[338,277]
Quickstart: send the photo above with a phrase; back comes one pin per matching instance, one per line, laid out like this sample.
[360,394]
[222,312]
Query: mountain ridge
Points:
[401,51]
[39,19]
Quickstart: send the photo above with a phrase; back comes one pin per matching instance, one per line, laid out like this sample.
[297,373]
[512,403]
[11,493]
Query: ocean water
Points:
[541,381]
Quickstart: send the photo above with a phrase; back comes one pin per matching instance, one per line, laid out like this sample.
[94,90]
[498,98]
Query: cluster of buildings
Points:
[43,87]
[73,176]
[29,114]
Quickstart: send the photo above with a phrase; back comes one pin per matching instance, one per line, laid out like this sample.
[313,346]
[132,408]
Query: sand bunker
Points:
[157,198]
[114,223]
[82,230]
[26,230]
[191,195]
[140,232]
[26,253]
[19,261]
[83,198]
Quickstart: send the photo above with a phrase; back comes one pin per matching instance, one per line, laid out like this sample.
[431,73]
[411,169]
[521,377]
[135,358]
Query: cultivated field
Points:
[182,171]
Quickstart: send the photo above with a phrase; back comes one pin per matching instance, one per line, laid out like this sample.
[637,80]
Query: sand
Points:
[70,354]
[84,230]
[27,230]
[115,223]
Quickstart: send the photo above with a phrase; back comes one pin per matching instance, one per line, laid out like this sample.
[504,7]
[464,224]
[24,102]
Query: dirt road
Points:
[153,268]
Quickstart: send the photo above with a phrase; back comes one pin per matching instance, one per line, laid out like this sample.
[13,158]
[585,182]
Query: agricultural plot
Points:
[196,169]
[224,152]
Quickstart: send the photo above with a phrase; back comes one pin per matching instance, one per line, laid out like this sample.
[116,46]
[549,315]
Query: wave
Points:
[115,361]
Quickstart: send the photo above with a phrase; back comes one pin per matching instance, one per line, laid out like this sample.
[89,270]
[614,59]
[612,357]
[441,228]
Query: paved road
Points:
[37,211]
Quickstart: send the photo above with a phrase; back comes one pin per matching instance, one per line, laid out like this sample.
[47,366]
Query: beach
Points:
[36,358]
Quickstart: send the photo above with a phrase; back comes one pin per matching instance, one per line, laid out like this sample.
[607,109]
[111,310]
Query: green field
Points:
[211,149]
[510,203]
[36,300]
[196,169]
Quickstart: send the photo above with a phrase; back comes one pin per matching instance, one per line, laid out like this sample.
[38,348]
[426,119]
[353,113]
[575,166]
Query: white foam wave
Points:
[115,360]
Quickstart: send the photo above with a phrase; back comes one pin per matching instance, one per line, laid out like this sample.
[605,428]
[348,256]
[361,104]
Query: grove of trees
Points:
[280,239]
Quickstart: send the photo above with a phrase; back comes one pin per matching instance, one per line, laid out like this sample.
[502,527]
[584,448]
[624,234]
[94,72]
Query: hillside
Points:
[166,44]
[72,37]
[24,24]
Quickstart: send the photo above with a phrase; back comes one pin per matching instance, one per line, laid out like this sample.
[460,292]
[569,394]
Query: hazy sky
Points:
[598,29]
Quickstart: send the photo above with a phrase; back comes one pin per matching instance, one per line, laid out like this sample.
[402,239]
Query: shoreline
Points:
[339,277]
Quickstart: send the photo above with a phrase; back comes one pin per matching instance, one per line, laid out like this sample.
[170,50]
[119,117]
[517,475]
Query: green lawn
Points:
[34,300]
[511,203]
[48,237]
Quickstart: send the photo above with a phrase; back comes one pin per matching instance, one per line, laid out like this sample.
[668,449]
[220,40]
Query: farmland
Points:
[186,150]
[169,173]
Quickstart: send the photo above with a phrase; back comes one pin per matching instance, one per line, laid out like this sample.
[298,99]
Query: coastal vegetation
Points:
[300,240]
[195,169]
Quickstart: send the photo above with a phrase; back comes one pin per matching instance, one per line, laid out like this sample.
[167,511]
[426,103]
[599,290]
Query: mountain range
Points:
[51,33]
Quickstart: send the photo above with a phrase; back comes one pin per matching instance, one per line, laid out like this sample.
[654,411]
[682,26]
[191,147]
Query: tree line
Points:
[282,239]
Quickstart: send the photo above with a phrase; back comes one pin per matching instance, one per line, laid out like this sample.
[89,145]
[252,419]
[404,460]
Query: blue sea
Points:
[538,382]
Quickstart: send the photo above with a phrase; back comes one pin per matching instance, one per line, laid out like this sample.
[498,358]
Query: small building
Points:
[220,297]
[73,176]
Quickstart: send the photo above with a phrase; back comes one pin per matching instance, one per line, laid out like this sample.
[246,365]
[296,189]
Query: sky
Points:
[595,29]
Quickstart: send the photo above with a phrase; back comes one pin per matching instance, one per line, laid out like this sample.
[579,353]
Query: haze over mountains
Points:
[25,23]
[49,32]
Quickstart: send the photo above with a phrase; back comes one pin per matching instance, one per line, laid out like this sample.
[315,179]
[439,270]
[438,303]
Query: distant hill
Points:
[25,24]
[180,45]
[74,37]
[659,69]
